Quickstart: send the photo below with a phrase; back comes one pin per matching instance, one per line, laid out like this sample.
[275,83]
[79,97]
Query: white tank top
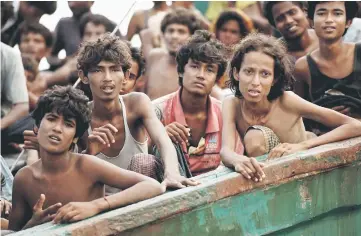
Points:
[130,148]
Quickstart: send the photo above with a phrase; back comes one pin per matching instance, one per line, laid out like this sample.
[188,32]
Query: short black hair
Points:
[33,27]
[47,7]
[137,56]
[66,101]
[350,6]
[257,42]
[202,47]
[245,25]
[181,16]
[96,19]
[267,8]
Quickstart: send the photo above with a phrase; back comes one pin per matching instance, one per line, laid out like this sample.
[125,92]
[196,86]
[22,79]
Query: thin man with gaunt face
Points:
[267,117]
[335,61]
[62,115]
[191,116]
[290,19]
[161,73]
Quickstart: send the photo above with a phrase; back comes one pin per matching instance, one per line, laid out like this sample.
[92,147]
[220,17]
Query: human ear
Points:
[83,78]
[235,73]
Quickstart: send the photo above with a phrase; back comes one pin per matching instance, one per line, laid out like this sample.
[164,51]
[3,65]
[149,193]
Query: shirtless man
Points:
[161,72]
[192,118]
[72,184]
[335,61]
[290,19]
[268,118]
[119,124]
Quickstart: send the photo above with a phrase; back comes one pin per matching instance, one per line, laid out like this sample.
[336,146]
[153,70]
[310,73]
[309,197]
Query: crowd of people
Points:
[259,78]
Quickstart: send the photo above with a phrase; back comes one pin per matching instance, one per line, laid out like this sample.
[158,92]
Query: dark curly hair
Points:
[137,56]
[351,8]
[202,47]
[267,9]
[107,47]
[257,42]
[33,27]
[66,101]
[181,16]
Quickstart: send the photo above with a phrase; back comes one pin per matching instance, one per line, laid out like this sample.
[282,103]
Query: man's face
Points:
[56,133]
[105,80]
[175,35]
[330,20]
[34,45]
[229,33]
[199,77]
[92,32]
[290,19]
[128,83]
[255,76]
[79,7]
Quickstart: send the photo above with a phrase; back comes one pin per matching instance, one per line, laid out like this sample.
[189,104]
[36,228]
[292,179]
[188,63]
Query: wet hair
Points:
[66,101]
[30,64]
[244,22]
[181,16]
[96,19]
[350,6]
[267,9]
[257,42]
[202,47]
[109,48]
[137,56]
[36,28]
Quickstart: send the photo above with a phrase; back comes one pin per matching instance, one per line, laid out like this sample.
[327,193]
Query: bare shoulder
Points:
[302,71]
[24,176]
[289,100]
[230,102]
[136,101]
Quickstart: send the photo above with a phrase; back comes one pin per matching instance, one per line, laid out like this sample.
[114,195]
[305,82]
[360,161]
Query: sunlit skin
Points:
[230,33]
[34,45]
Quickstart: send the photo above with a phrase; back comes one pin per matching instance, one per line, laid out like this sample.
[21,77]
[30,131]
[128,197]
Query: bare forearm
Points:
[229,157]
[168,154]
[343,132]
[18,111]
[141,191]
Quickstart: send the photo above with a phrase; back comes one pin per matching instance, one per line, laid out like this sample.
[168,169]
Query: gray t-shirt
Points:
[13,80]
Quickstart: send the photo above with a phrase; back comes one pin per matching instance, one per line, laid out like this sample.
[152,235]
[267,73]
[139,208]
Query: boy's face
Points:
[92,32]
[330,20]
[229,33]
[34,45]
[256,76]
[290,19]
[105,80]
[175,35]
[128,83]
[56,133]
[199,77]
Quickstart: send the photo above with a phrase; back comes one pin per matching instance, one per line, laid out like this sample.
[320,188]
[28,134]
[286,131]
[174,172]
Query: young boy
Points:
[335,67]
[290,19]
[136,70]
[268,118]
[72,184]
[191,116]
[177,26]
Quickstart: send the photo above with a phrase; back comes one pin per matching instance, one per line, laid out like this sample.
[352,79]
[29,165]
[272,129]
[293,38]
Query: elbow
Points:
[157,188]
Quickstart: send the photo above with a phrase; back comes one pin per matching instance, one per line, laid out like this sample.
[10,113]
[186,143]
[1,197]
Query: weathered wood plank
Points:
[298,188]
